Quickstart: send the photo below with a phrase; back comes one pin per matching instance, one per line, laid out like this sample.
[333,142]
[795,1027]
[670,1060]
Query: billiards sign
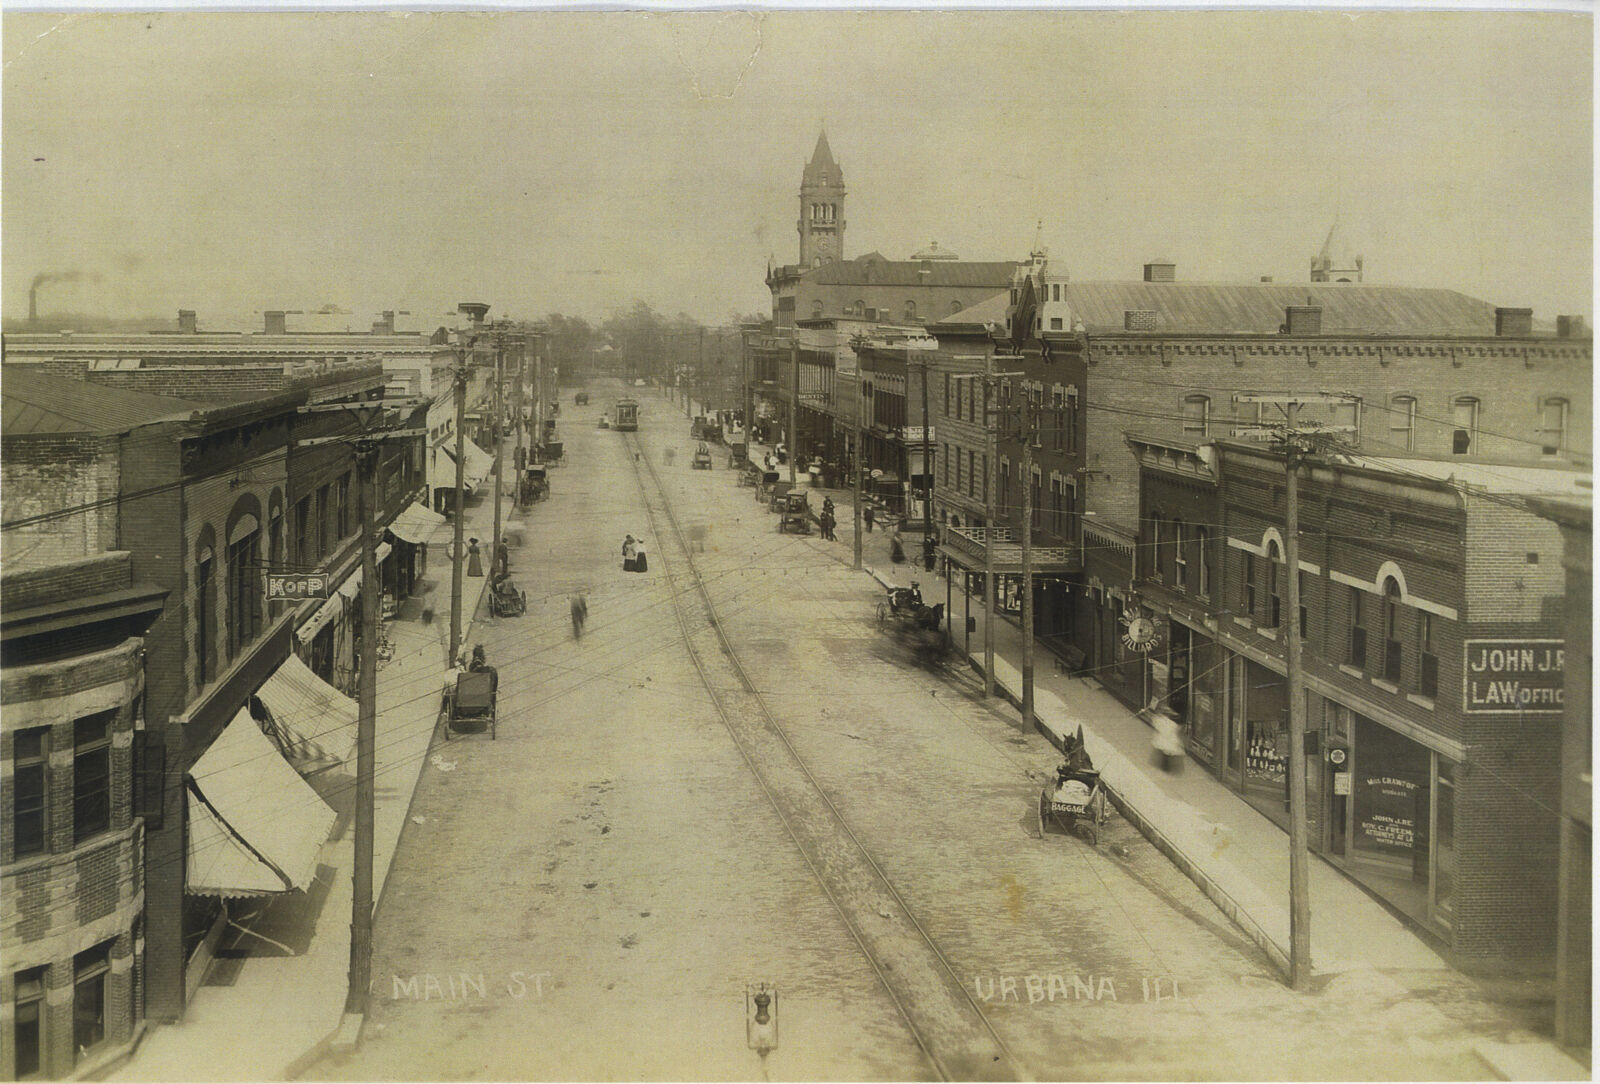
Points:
[1521,676]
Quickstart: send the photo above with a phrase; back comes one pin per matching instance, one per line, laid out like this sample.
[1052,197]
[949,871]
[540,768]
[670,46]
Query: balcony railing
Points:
[1006,546]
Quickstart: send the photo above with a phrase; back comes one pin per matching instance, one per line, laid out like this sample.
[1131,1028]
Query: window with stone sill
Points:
[28,1022]
[89,971]
[30,759]
[91,774]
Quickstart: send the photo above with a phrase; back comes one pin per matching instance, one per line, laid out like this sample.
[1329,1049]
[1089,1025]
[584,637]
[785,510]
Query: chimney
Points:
[1302,320]
[186,322]
[276,324]
[1160,271]
[1266,278]
[1513,323]
[1139,320]
[386,325]
[475,311]
[1570,327]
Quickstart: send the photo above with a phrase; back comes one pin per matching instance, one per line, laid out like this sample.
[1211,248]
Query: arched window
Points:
[244,583]
[1403,422]
[1464,416]
[859,308]
[1274,596]
[1391,631]
[911,310]
[1197,415]
[1553,426]
[816,309]
[205,611]
[955,307]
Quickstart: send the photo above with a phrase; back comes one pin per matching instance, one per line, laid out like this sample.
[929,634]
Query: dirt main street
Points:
[589,895]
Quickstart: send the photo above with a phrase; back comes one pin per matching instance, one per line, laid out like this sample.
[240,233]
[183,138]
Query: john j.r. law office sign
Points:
[1522,676]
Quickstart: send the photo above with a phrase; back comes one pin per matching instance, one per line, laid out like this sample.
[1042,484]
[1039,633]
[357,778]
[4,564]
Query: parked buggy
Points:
[535,485]
[794,516]
[702,457]
[469,705]
[581,399]
[1076,801]
[506,599]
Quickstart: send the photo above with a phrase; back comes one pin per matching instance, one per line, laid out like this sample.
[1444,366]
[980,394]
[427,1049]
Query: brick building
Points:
[1423,372]
[73,621]
[1430,613]
[208,498]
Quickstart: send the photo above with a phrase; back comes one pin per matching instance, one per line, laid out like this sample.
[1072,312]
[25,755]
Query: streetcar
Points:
[627,415]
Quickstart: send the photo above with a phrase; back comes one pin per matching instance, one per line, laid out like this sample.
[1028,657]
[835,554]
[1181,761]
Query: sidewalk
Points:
[295,1002]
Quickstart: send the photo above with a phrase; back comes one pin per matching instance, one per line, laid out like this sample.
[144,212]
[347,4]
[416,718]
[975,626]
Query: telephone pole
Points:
[794,403]
[459,512]
[1297,443]
[1028,421]
[499,441]
[364,448]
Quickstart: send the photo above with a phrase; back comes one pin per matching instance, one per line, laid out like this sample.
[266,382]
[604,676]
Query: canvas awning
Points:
[255,827]
[479,463]
[335,604]
[416,522]
[313,724]
[444,471]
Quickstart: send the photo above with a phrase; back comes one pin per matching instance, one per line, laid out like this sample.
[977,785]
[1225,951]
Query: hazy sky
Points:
[572,162]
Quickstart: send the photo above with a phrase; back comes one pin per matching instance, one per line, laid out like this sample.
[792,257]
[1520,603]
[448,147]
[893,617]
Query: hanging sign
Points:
[1139,632]
[294,586]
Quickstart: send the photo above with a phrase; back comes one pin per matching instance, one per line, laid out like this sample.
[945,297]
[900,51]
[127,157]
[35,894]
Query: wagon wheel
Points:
[1044,812]
[883,613]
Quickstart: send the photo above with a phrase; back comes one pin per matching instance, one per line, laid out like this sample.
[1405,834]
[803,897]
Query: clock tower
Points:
[821,208]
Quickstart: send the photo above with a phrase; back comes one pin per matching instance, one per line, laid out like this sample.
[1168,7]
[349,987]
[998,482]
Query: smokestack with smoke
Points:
[44,278]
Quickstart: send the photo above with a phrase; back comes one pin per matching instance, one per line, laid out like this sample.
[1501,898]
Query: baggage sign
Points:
[294,586]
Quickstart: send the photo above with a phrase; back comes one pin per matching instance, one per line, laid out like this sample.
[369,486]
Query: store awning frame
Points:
[315,723]
[255,827]
[416,523]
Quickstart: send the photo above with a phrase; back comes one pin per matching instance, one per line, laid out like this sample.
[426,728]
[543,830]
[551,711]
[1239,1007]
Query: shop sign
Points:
[1386,812]
[295,586]
[1522,676]
[1341,782]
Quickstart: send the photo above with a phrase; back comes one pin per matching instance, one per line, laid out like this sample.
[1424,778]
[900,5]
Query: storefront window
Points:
[1266,728]
[1390,798]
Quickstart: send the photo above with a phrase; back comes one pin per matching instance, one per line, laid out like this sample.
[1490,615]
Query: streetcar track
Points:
[952,1030]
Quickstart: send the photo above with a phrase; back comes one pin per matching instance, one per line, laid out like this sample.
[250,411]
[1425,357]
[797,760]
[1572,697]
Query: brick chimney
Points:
[1570,327]
[1139,320]
[186,322]
[1160,271]
[1513,323]
[1302,320]
[386,325]
[276,322]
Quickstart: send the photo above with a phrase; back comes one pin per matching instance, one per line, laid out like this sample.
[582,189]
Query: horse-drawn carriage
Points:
[534,485]
[581,399]
[702,457]
[469,704]
[794,513]
[1075,802]
[904,607]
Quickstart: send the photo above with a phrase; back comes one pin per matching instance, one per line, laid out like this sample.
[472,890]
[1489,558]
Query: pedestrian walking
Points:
[630,554]
[866,517]
[640,562]
[580,614]
[1167,743]
[502,556]
[897,549]
[474,558]
[827,522]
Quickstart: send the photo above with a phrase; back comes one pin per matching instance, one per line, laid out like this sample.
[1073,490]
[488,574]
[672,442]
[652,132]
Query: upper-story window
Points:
[1180,556]
[324,519]
[1274,597]
[1247,586]
[1553,426]
[955,307]
[30,758]
[1391,631]
[1347,417]
[1202,537]
[89,971]
[1403,422]
[244,580]
[205,610]
[1197,415]
[911,310]
[1427,657]
[91,774]
[302,532]
[1464,417]
[1356,649]
[345,509]
[816,309]
[28,1027]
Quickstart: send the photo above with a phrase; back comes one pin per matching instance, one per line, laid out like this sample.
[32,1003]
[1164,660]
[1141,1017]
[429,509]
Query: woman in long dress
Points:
[640,562]
[630,554]
[474,558]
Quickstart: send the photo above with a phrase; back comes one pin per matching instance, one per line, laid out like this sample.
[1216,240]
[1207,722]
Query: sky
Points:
[576,161]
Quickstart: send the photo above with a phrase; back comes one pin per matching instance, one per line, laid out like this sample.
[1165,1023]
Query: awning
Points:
[416,523]
[313,724]
[333,607]
[479,463]
[255,827]
[444,472]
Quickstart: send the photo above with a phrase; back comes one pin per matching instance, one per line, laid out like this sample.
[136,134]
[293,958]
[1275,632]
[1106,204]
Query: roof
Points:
[875,272]
[37,403]
[1496,478]
[822,169]
[1258,308]
[991,310]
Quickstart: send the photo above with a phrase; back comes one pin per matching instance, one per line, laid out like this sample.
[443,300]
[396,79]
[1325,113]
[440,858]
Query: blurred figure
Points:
[580,614]
[1167,743]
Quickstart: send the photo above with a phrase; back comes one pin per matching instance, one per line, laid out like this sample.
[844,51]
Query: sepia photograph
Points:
[796,544]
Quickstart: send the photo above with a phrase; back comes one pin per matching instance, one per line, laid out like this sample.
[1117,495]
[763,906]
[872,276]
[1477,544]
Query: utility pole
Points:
[499,441]
[518,457]
[459,513]
[794,403]
[1296,443]
[1299,898]
[991,465]
[364,450]
[860,465]
[927,464]
[1028,421]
